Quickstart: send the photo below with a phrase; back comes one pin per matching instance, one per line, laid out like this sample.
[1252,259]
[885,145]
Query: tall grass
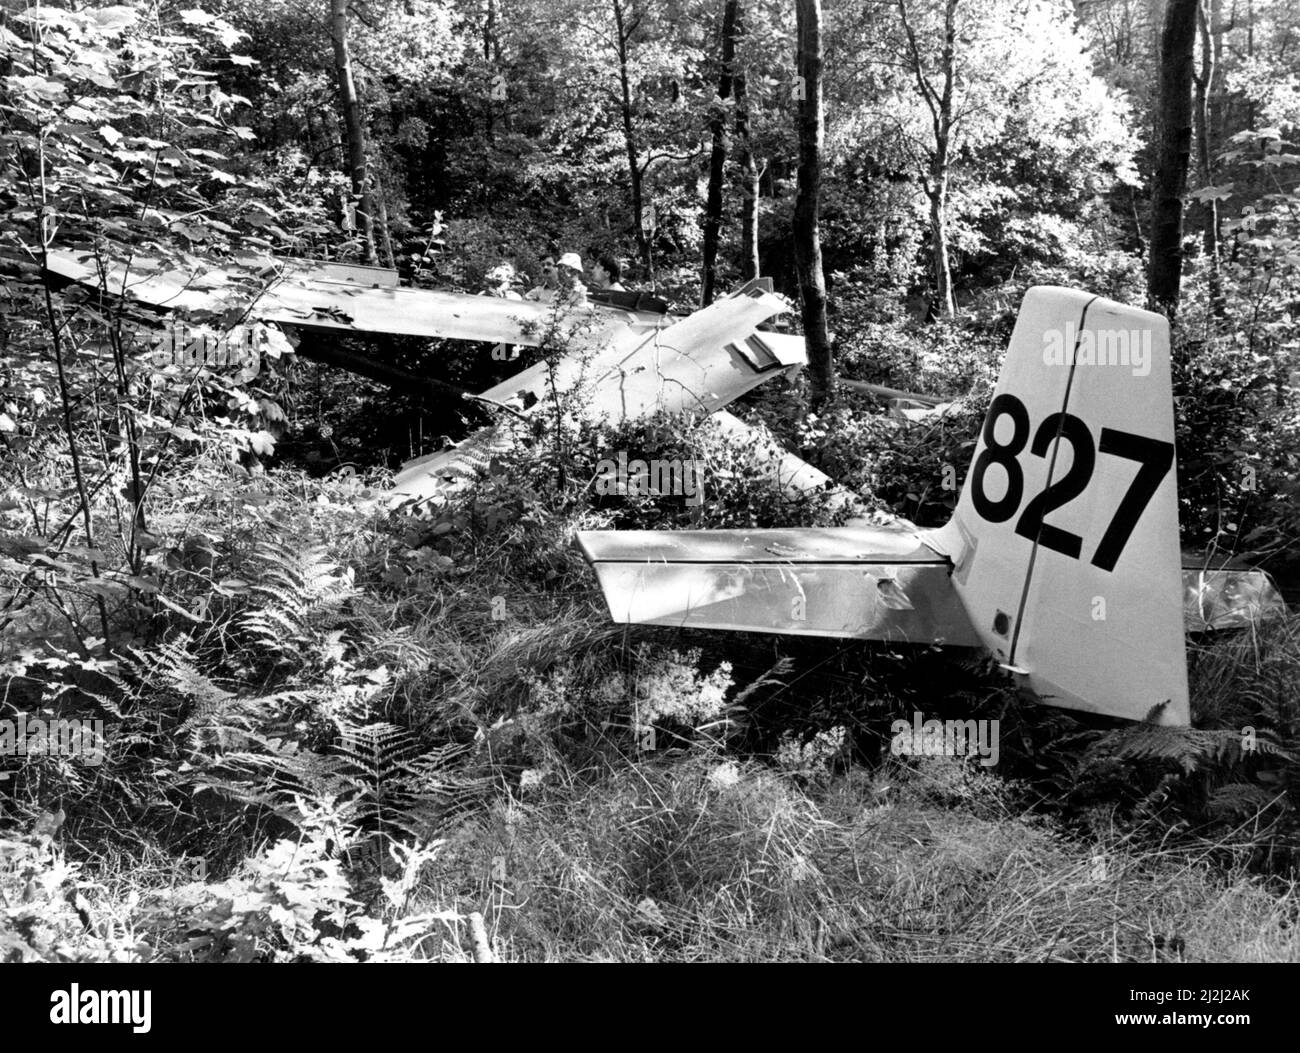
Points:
[704,859]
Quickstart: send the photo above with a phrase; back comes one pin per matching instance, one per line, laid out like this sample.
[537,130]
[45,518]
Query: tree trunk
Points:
[807,236]
[1208,21]
[630,141]
[1173,155]
[939,103]
[489,34]
[353,124]
[385,233]
[749,267]
[718,157]
[945,302]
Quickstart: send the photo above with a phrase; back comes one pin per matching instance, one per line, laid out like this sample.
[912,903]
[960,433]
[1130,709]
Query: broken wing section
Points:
[793,474]
[695,365]
[849,582]
[698,363]
[399,312]
[701,363]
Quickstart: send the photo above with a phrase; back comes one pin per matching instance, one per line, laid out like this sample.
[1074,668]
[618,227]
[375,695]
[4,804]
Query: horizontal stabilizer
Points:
[850,582]
[864,583]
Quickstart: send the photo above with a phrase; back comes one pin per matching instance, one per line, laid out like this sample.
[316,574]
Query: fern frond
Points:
[300,589]
[1189,748]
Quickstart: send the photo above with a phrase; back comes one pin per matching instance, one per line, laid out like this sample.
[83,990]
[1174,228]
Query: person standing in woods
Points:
[545,292]
[607,274]
[569,268]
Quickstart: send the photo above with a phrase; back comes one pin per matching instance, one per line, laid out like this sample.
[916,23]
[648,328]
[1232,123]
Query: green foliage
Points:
[44,913]
[291,901]
[111,149]
[1238,421]
[914,468]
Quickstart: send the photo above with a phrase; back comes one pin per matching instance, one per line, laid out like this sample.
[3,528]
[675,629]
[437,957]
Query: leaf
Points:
[47,89]
[116,17]
[110,135]
[274,342]
[650,913]
[49,823]
[262,443]
[7,423]
[195,17]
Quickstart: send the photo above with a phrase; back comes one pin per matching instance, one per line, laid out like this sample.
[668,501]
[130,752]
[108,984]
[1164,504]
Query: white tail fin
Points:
[1065,541]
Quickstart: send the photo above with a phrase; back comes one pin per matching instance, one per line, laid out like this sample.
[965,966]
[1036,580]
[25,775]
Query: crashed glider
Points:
[1089,446]
[1062,558]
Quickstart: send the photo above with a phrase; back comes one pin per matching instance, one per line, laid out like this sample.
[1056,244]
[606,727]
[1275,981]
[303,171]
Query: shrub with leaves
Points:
[112,132]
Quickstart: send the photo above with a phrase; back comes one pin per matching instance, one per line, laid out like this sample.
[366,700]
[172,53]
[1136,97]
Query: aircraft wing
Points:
[635,361]
[171,290]
[696,364]
[865,583]
[345,299]
[700,363]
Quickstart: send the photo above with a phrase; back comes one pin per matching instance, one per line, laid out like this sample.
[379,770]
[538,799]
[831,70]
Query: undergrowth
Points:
[335,733]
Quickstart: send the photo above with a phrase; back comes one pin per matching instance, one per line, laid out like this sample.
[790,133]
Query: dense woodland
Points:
[342,733]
